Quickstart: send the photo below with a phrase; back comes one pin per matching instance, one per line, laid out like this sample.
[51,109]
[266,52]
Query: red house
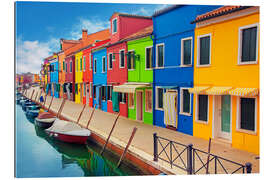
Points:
[122,25]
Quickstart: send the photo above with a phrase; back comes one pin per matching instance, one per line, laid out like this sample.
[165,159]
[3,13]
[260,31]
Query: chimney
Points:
[84,34]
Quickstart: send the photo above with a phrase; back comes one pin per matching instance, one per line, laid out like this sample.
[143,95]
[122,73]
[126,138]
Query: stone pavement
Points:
[142,144]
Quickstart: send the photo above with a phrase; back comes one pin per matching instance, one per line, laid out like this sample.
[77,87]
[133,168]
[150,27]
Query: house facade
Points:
[122,25]
[54,77]
[173,62]
[78,77]
[226,77]
[62,71]
[69,85]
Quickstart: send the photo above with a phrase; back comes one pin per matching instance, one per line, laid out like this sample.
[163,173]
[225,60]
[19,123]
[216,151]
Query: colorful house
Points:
[99,56]
[122,25]
[173,61]
[140,76]
[62,71]
[54,69]
[226,77]
[69,85]
[78,77]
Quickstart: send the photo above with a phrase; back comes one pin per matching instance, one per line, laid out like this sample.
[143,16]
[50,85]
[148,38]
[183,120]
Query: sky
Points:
[40,25]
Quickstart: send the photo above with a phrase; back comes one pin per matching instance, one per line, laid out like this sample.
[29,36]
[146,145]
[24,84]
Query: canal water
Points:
[38,155]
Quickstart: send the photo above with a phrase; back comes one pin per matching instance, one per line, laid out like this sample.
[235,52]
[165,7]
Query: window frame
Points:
[148,90]
[198,50]
[240,38]
[157,45]
[148,47]
[181,102]
[156,98]
[103,65]
[132,50]
[113,30]
[120,58]
[197,110]
[238,118]
[182,52]
[109,61]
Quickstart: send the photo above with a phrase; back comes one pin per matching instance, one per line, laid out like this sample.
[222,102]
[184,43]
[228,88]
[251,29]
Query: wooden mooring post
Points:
[60,109]
[209,149]
[125,151]
[117,117]
[92,113]
[50,104]
[81,114]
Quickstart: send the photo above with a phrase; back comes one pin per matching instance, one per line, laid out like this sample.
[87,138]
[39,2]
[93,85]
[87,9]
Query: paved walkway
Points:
[142,144]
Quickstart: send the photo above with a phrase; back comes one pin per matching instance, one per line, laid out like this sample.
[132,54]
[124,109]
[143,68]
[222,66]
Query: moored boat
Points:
[25,105]
[45,120]
[68,132]
[32,113]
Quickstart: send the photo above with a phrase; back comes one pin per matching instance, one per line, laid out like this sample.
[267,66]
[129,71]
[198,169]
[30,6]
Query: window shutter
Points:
[204,50]
[203,107]
[245,45]
[187,52]
[186,101]
[248,113]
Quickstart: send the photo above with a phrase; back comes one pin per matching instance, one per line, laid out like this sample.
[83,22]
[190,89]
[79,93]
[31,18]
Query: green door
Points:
[226,113]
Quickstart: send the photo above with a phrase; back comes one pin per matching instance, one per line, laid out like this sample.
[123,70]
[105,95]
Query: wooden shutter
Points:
[203,107]
[249,44]
[187,52]
[160,56]
[204,50]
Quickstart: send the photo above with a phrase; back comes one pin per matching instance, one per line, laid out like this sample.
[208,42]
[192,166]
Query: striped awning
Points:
[197,89]
[128,88]
[244,92]
[218,90]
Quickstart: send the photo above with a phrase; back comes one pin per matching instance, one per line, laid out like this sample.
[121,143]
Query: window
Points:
[94,91]
[84,89]
[148,100]
[122,97]
[131,100]
[66,68]
[247,115]
[84,63]
[103,64]
[63,66]
[95,65]
[186,51]
[90,89]
[70,66]
[77,65]
[109,92]
[122,58]
[248,44]
[185,101]
[131,60]
[110,60]
[159,100]
[148,58]
[160,55]
[103,93]
[90,62]
[202,108]
[80,64]
[114,25]
[204,50]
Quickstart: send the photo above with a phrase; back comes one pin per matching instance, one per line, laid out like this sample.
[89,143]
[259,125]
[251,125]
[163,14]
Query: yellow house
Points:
[226,77]
[78,77]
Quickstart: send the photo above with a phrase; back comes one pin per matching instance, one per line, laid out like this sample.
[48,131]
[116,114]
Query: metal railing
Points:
[193,160]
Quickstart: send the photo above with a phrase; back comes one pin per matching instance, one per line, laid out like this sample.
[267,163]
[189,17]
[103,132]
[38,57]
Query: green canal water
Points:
[38,155]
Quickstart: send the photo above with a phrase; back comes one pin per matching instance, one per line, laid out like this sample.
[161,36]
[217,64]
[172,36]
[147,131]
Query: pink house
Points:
[122,25]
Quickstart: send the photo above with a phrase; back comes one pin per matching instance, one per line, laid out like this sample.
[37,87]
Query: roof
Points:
[142,33]
[130,15]
[167,9]
[219,12]
[70,41]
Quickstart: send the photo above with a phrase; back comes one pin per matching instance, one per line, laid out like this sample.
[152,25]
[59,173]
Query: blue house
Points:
[100,77]
[173,44]
[54,69]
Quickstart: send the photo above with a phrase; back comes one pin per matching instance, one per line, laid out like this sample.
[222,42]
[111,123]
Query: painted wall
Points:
[225,71]
[78,75]
[70,76]
[100,78]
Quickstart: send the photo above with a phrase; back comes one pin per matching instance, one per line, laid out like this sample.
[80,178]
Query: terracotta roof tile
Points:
[219,12]
[144,32]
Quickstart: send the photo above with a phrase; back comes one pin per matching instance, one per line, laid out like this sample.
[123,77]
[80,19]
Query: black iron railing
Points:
[195,161]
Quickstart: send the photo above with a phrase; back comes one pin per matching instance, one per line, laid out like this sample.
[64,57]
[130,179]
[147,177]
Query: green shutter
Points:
[204,50]
[63,65]
[203,107]
[187,52]
[81,63]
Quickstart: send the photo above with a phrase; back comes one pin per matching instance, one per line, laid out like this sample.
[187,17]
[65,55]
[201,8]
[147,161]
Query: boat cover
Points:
[45,115]
[68,128]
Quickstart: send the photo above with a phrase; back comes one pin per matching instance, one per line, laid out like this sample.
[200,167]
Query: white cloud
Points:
[92,25]
[150,10]
[30,54]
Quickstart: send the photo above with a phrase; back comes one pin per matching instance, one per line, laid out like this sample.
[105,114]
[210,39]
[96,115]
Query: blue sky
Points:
[40,25]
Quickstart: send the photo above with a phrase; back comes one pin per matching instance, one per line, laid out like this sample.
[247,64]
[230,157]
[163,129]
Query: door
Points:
[87,93]
[225,128]
[139,104]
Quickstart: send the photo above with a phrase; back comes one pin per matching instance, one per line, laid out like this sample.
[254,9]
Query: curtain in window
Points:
[187,52]
[203,107]
[248,113]
[204,50]
[249,39]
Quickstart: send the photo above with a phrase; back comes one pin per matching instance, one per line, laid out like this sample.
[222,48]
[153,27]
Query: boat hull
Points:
[68,138]
[43,125]
[32,114]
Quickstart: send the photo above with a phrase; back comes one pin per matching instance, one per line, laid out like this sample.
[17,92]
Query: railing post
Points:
[189,159]
[155,147]
[248,167]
